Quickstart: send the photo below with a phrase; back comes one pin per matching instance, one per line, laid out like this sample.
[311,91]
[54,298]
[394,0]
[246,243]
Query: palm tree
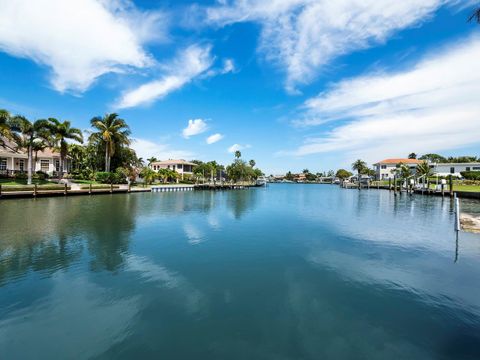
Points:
[359,166]
[152,160]
[475,16]
[238,154]
[424,169]
[61,131]
[28,134]
[148,175]
[37,146]
[5,129]
[112,131]
[306,171]
[252,163]
[412,155]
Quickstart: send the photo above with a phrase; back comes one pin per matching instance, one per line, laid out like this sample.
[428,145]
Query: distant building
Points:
[180,166]
[13,160]
[385,169]
[455,169]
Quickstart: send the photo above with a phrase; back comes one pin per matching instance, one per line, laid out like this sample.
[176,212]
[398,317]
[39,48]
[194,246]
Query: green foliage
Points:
[343,174]
[289,176]
[359,166]
[20,176]
[471,175]
[424,169]
[103,177]
[412,155]
[434,158]
[148,175]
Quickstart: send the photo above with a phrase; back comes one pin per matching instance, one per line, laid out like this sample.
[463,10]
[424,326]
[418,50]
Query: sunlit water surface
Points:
[286,272]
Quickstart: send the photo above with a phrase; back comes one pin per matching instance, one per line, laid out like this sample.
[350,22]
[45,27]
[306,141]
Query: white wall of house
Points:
[387,171]
[454,168]
[15,163]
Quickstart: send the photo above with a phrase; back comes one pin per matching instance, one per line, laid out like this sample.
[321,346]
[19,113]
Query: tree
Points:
[5,128]
[238,154]
[112,131]
[61,131]
[404,170]
[27,134]
[252,163]
[412,155]
[435,158]
[306,171]
[424,169]
[359,166]
[343,174]
[289,176]
[37,146]
[148,175]
[475,16]
[152,160]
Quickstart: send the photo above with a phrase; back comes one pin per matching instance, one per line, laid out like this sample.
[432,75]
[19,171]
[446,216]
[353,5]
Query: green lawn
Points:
[24,182]
[469,188]
[93,182]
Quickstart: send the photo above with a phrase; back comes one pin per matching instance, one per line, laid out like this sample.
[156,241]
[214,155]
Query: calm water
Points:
[287,272]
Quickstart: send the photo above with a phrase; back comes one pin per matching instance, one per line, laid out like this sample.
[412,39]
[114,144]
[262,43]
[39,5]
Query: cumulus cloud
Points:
[214,138]
[79,40]
[430,107]
[303,36]
[237,147]
[194,127]
[189,63]
[146,149]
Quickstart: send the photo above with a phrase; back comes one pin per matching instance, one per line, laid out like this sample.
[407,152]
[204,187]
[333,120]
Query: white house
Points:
[13,160]
[180,166]
[385,169]
[455,169]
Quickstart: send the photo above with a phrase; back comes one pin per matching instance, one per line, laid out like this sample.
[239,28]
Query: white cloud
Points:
[237,147]
[214,138]
[303,36]
[190,63]
[146,149]
[194,127]
[79,40]
[431,107]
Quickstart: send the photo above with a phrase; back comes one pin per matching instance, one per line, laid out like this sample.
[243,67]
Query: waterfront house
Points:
[180,166]
[14,160]
[455,169]
[385,169]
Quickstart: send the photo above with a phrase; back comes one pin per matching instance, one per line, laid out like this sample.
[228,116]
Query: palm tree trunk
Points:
[29,165]
[107,159]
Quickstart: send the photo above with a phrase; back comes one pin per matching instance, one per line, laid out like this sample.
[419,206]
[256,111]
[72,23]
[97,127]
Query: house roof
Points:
[8,148]
[398,161]
[173,162]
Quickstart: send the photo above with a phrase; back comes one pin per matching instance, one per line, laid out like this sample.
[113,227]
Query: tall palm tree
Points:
[359,166]
[39,145]
[151,160]
[252,163]
[238,154]
[112,131]
[424,169]
[5,129]
[61,131]
[475,16]
[28,133]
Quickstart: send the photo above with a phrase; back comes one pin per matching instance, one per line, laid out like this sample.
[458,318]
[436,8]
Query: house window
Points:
[57,165]
[3,164]
[44,165]
[452,170]
[21,165]
[476,168]
[179,166]
[384,166]
[467,168]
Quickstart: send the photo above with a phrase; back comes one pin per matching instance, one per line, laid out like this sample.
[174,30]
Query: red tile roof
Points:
[398,161]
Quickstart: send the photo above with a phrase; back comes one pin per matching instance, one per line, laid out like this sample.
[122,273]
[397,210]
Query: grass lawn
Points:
[93,182]
[24,182]
[470,188]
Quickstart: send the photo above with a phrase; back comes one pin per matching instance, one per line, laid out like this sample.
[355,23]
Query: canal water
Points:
[283,272]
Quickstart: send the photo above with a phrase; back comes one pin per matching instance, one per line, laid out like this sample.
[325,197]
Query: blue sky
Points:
[293,84]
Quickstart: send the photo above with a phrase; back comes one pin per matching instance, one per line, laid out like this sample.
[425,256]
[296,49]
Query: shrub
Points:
[471,175]
[103,177]
[42,175]
[21,176]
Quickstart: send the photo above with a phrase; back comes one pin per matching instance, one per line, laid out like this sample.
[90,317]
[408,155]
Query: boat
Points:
[261,181]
